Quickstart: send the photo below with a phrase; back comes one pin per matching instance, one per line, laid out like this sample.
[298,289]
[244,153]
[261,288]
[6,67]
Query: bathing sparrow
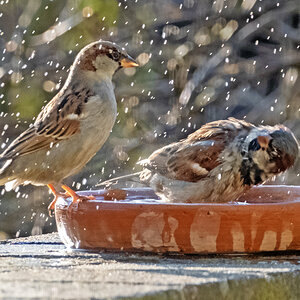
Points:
[218,162]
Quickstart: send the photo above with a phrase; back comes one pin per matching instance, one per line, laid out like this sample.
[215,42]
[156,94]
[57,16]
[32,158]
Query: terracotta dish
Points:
[267,218]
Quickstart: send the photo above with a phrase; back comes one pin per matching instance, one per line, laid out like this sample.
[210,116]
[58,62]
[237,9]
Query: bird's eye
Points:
[115,55]
[254,145]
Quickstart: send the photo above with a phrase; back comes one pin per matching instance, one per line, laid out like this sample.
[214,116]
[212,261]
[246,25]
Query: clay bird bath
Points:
[267,218]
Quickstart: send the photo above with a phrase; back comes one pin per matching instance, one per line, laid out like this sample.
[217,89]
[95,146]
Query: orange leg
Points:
[75,197]
[69,193]
[56,195]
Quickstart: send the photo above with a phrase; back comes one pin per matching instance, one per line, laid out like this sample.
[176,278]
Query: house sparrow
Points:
[72,127]
[219,161]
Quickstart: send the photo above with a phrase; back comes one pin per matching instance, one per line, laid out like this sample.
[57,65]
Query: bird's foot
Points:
[69,193]
[75,197]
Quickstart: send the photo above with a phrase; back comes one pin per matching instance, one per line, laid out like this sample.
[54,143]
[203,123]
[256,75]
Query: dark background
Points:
[199,61]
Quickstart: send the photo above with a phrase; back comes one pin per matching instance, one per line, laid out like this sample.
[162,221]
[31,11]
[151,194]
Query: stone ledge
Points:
[41,267]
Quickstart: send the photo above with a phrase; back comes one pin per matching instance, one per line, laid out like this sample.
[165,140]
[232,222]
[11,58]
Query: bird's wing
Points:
[58,120]
[193,158]
[187,162]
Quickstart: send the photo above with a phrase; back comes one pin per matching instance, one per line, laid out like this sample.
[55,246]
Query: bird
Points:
[218,162]
[72,127]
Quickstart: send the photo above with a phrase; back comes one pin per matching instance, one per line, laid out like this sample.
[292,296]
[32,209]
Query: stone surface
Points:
[41,267]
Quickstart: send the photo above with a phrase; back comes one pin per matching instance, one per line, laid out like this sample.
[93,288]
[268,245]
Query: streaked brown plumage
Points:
[219,162]
[72,127]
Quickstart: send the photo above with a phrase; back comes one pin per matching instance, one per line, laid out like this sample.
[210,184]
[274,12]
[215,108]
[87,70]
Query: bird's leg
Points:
[56,196]
[69,193]
[75,197]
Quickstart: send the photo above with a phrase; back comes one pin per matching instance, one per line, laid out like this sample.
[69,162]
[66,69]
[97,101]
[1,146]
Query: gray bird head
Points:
[103,57]
[273,149]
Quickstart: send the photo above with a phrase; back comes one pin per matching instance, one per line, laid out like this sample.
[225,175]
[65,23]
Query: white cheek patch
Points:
[105,64]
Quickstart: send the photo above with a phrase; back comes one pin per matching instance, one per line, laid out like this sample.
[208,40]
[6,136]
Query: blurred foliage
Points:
[200,61]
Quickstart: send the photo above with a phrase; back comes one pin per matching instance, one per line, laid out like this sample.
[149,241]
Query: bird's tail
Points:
[130,177]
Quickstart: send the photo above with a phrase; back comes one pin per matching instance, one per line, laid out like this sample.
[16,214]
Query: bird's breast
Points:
[100,109]
[98,118]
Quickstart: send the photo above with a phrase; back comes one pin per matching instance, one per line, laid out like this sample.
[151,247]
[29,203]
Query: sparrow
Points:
[72,127]
[218,162]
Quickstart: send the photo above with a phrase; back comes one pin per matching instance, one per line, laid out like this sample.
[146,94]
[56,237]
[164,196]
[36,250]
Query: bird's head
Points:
[272,149]
[103,58]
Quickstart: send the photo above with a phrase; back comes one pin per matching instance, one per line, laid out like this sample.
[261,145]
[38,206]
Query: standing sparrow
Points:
[72,127]
[218,162]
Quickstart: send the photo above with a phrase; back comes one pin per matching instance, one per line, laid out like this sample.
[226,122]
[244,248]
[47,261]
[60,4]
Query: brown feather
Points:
[31,143]
[193,162]
[55,122]
[193,158]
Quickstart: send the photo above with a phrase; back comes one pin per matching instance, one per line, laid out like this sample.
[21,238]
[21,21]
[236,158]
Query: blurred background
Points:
[199,61]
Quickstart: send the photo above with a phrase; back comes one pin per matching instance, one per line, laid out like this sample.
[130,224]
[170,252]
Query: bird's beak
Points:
[128,62]
[264,141]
